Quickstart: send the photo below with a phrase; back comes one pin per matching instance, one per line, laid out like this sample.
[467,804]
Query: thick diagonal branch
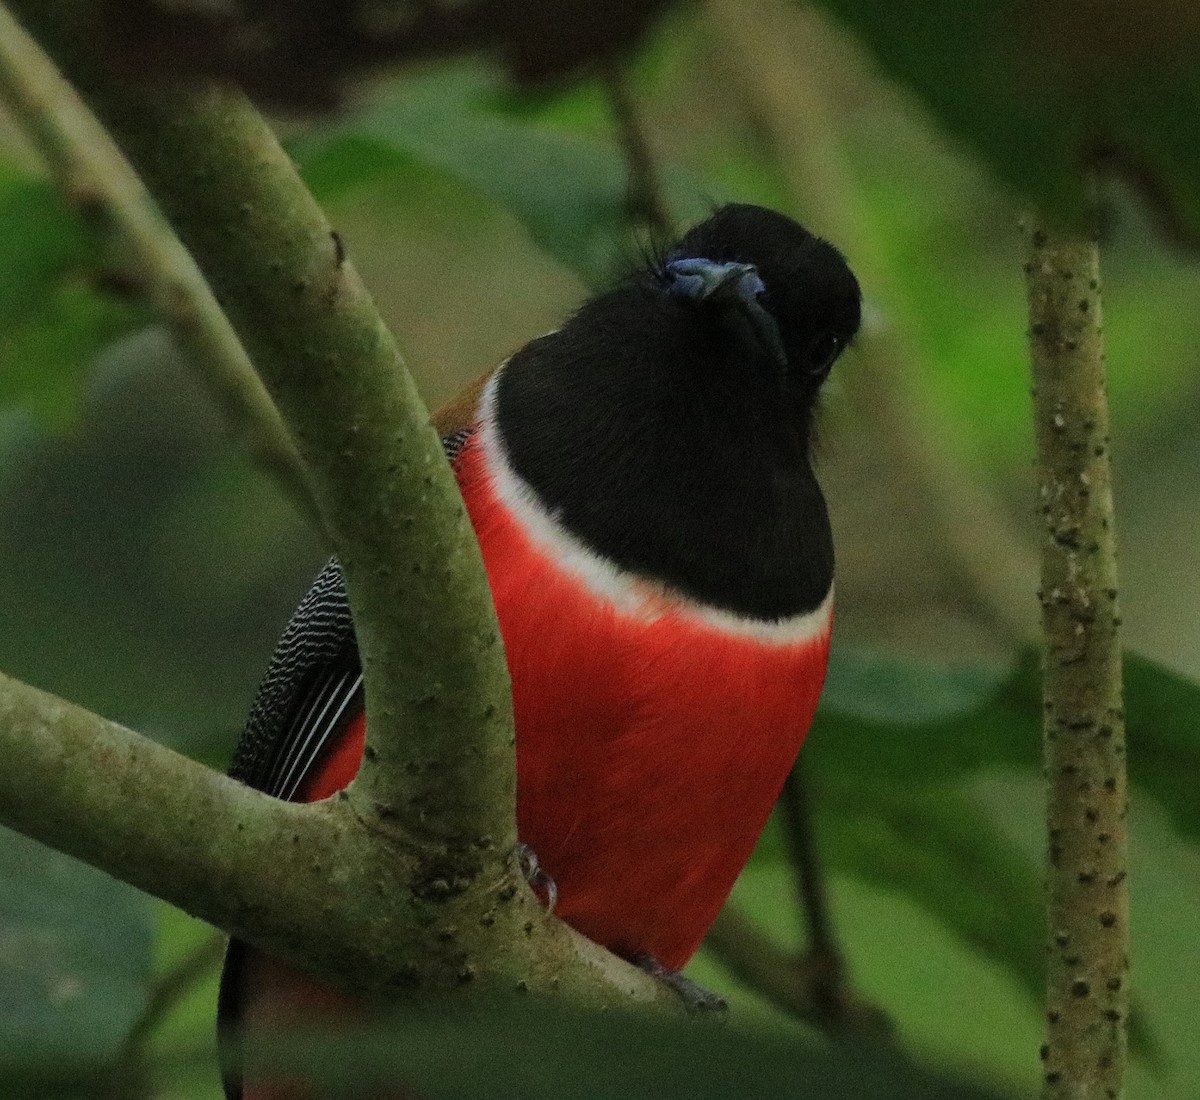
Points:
[440,760]
[408,879]
[1088,949]
[320,885]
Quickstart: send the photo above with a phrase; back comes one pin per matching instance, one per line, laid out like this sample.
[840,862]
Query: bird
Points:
[659,553]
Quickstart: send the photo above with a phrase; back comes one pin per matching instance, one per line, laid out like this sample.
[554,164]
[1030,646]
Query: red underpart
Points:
[650,750]
[649,754]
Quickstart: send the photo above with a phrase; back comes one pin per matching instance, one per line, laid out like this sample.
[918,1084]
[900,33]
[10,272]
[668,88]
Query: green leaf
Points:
[1161,708]
[336,163]
[868,734]
[75,957]
[879,687]
[47,355]
[567,191]
[551,1051]
[53,321]
[1040,90]
[892,740]
[941,851]
[40,239]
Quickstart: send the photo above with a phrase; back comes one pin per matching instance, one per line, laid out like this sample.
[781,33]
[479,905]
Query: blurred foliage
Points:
[894,741]
[1002,728]
[566,190]
[75,958]
[544,1051]
[135,546]
[145,570]
[53,316]
[1042,90]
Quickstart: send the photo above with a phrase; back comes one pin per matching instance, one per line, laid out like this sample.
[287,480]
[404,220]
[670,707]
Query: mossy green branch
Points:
[440,761]
[320,885]
[408,880]
[1088,893]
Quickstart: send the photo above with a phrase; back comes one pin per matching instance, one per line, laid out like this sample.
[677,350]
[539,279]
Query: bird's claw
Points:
[695,997]
[535,876]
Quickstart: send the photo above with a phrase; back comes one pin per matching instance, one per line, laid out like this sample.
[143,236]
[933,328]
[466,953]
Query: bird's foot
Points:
[695,997]
[535,876]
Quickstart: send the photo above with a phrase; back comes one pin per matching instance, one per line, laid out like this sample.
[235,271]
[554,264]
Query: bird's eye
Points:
[823,351]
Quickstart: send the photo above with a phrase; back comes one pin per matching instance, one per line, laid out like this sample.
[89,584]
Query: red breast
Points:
[653,735]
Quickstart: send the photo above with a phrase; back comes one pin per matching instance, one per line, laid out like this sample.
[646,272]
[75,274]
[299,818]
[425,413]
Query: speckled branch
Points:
[320,884]
[417,856]
[440,757]
[1088,901]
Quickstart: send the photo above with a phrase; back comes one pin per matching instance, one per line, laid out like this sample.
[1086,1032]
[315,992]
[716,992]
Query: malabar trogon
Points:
[661,562]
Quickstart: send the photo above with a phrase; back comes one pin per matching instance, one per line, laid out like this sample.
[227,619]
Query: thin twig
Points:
[796,807]
[812,985]
[798,984]
[92,172]
[644,196]
[130,1075]
[167,992]
[1084,735]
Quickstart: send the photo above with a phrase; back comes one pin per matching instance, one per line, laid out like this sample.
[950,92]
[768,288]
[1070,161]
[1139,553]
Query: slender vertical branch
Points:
[1084,736]
[838,1008]
[795,802]
[90,169]
[645,195]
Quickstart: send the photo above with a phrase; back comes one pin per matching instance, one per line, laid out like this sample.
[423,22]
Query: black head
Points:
[667,424]
[801,287]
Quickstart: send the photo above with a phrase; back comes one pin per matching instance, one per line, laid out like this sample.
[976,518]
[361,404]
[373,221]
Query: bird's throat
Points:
[696,494]
[746,546]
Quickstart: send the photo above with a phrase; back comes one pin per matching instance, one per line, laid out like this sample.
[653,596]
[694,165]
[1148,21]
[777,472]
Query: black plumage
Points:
[316,645]
[665,435]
